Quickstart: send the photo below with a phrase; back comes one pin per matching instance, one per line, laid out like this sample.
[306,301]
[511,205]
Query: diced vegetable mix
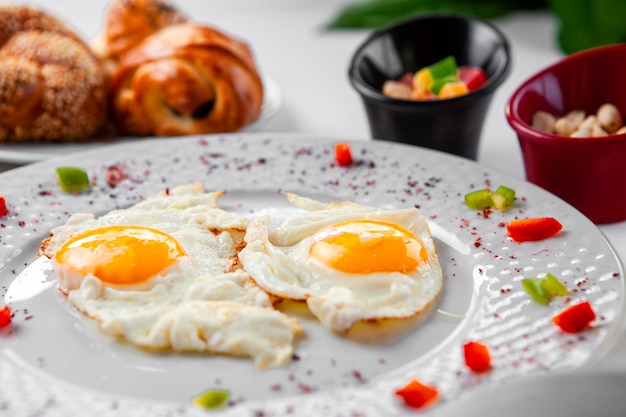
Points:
[543,289]
[343,154]
[442,80]
[575,318]
[418,395]
[533,229]
[502,198]
[212,399]
[5,316]
[72,179]
[3,206]
[477,356]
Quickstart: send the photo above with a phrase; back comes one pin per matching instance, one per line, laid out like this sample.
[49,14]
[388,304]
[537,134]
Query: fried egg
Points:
[164,274]
[349,263]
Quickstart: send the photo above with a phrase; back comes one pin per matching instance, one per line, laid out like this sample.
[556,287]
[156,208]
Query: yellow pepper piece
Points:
[454,89]
[422,80]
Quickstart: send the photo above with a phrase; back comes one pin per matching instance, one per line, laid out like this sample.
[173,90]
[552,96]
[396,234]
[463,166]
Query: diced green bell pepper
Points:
[507,193]
[72,179]
[212,399]
[447,67]
[543,289]
[480,199]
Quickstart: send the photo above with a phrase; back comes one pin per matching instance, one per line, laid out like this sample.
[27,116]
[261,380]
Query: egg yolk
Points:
[120,255]
[367,246]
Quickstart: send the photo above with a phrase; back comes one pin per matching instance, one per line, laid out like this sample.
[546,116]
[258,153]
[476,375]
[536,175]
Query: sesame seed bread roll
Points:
[52,87]
[186,79]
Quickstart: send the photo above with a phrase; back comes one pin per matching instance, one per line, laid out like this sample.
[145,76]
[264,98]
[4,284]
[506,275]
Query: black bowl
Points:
[451,125]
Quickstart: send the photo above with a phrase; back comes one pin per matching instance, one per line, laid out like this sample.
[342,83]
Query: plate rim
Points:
[308,139]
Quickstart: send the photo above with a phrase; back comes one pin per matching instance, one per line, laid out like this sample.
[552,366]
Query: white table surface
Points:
[309,64]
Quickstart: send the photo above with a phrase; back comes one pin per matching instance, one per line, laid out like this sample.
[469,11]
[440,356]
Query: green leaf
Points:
[369,14]
[586,24]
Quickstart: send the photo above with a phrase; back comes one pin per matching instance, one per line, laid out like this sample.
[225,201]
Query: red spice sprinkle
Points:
[304,388]
[358,376]
[114,176]
[276,387]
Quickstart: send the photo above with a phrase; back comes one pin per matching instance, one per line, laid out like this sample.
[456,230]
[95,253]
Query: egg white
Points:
[277,258]
[204,302]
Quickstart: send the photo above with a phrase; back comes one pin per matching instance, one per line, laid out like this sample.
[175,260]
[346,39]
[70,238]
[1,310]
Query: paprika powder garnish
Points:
[533,229]
[343,154]
[417,394]
[477,356]
[5,316]
[575,318]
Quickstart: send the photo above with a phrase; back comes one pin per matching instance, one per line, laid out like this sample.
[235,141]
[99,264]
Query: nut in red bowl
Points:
[587,172]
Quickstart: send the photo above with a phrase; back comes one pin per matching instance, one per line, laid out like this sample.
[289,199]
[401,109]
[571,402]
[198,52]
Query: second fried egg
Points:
[350,263]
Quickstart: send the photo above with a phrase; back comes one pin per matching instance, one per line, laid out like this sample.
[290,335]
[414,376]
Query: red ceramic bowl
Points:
[589,173]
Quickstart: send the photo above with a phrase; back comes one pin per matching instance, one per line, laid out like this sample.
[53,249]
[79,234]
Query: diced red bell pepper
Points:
[532,229]
[575,318]
[473,77]
[5,316]
[343,154]
[417,394]
[3,206]
[477,356]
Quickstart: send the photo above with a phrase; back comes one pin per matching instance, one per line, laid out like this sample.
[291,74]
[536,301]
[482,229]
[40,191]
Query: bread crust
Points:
[52,87]
[186,79]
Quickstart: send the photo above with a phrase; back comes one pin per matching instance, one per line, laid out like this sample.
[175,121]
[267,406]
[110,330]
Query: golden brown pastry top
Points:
[129,22]
[186,79]
[17,18]
[52,88]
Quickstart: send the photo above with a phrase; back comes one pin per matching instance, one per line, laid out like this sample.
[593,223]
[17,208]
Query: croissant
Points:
[129,22]
[186,79]
[52,88]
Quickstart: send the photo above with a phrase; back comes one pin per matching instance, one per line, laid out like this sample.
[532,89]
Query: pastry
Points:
[52,87]
[186,79]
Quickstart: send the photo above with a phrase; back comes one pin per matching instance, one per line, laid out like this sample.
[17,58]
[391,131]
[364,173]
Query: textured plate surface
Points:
[54,362]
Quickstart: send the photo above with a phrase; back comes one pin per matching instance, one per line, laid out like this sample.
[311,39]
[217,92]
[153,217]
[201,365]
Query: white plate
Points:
[584,392]
[26,153]
[53,361]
